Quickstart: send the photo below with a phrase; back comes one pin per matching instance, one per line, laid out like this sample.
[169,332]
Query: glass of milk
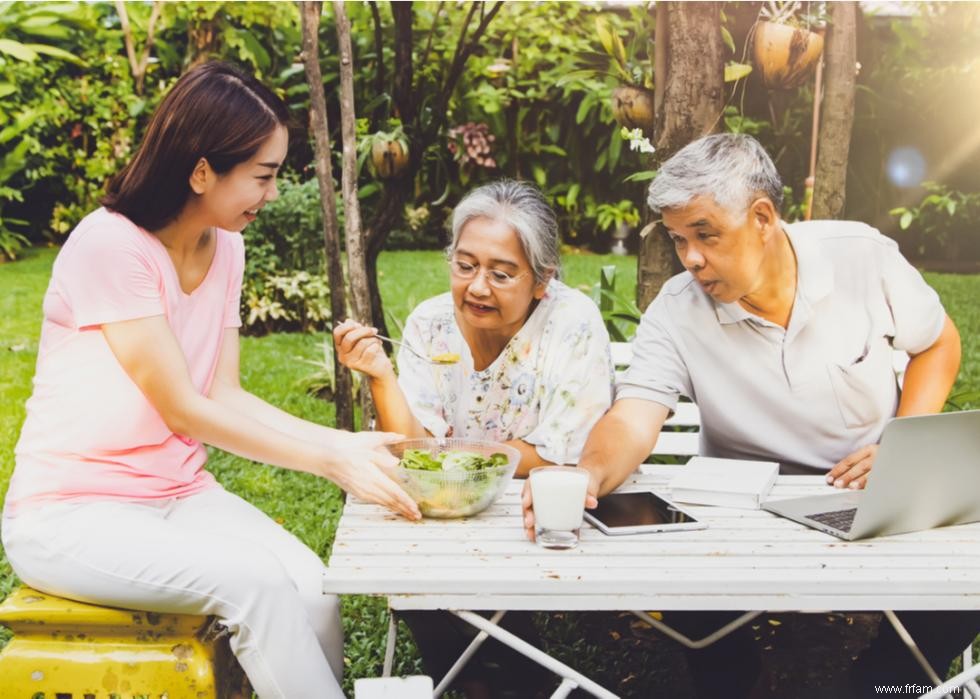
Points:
[558,498]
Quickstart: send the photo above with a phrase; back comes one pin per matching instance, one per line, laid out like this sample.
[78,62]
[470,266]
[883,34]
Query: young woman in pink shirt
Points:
[138,369]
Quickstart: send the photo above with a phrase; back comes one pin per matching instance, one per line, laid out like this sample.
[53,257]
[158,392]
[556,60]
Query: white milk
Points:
[559,497]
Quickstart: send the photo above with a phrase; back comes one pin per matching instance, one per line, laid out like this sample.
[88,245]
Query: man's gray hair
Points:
[522,207]
[733,169]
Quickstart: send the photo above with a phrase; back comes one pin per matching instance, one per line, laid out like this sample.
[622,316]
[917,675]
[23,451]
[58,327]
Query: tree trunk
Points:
[203,39]
[405,98]
[379,66]
[310,15]
[659,57]
[356,267]
[693,96]
[396,192]
[360,294]
[694,91]
[138,65]
[837,113]
[387,216]
[513,120]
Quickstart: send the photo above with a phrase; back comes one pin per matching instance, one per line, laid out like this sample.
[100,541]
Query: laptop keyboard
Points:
[838,519]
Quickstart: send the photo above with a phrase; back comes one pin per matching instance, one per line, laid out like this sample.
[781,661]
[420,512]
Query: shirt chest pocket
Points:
[865,389]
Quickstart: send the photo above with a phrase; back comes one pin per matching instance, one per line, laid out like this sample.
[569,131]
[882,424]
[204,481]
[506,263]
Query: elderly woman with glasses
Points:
[533,365]
[533,369]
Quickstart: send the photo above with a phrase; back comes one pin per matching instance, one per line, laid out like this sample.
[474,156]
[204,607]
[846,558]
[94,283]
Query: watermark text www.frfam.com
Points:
[907,689]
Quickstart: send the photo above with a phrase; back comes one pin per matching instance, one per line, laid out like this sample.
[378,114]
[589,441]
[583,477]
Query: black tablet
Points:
[639,512]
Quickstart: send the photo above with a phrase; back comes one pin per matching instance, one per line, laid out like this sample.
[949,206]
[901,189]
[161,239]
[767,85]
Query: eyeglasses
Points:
[496,278]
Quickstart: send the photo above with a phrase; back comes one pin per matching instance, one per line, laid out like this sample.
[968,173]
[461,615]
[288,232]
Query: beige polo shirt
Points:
[810,394]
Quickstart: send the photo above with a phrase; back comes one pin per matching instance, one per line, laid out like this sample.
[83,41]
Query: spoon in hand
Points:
[444,359]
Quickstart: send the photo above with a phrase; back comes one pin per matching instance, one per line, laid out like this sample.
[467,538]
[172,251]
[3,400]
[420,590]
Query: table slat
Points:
[745,559]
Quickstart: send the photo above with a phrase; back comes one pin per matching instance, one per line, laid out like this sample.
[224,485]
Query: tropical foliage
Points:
[530,102]
[946,221]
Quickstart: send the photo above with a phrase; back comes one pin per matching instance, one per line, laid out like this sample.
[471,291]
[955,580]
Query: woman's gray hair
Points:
[522,207]
[733,169]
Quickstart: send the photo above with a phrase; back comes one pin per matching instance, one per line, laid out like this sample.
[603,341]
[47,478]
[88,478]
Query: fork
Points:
[411,349]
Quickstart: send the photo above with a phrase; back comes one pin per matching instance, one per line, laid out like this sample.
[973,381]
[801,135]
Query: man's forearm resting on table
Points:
[621,441]
[930,375]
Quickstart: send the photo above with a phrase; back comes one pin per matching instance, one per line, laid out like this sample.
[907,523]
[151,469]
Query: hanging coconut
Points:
[389,158]
[633,107]
[785,55]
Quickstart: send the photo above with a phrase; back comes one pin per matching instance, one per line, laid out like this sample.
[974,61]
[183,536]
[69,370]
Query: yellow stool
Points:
[64,649]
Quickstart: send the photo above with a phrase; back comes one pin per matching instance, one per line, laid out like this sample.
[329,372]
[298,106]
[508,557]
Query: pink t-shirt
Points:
[90,433]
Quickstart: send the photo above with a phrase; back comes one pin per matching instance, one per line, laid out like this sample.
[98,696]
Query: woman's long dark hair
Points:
[215,112]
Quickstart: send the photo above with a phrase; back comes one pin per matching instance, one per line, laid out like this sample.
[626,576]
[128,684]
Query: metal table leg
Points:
[971,686]
[564,689]
[913,648]
[570,676]
[967,678]
[702,642]
[467,654]
[390,643]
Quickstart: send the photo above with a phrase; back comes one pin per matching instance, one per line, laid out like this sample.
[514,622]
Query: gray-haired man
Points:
[783,336]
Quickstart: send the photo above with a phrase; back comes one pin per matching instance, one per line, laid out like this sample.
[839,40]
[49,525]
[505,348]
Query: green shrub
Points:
[285,287]
[286,302]
[33,106]
[72,109]
[945,223]
[288,234]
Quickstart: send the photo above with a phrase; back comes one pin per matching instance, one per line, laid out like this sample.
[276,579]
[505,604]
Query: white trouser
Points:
[210,553]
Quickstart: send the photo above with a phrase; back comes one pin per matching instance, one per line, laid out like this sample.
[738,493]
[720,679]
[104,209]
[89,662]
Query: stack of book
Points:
[724,482]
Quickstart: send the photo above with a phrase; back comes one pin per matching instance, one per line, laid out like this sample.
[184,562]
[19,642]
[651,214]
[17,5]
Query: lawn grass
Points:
[22,286]
[273,368]
[960,295]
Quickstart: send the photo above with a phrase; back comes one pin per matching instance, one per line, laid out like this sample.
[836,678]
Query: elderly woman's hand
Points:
[852,471]
[359,349]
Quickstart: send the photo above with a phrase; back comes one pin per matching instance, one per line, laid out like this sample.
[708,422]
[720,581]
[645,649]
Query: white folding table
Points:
[745,560]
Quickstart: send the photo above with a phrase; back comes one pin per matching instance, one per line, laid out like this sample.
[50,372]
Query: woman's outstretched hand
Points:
[361,471]
[358,349]
[373,440]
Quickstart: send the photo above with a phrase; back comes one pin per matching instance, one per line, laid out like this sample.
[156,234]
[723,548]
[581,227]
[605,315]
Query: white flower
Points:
[638,142]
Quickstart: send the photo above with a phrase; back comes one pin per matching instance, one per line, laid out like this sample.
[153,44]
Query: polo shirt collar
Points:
[729,313]
[814,279]
[814,271]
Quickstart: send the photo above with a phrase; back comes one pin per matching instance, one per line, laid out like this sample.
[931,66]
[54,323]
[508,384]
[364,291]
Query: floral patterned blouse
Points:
[548,387]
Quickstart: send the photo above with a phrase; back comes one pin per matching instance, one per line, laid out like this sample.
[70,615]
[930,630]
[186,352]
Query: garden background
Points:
[532,99]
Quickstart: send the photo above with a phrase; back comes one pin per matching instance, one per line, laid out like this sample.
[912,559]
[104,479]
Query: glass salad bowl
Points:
[451,477]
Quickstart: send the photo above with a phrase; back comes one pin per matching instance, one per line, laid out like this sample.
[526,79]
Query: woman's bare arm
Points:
[150,355]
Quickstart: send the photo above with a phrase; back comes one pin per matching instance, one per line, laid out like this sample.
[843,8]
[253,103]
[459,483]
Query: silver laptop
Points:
[926,475]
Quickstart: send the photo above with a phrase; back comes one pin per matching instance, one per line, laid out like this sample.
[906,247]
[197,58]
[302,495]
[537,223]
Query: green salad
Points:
[452,483]
[424,460]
